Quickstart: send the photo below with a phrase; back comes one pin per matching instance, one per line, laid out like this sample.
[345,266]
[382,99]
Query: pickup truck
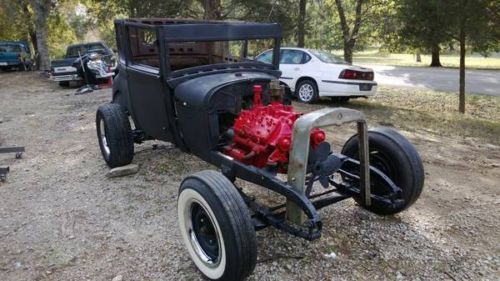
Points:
[14,54]
[64,72]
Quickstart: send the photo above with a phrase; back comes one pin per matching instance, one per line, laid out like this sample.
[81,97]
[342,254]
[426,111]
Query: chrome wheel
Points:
[306,92]
[104,142]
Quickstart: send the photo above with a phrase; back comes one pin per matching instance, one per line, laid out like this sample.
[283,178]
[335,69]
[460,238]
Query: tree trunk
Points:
[348,50]
[212,9]
[41,10]
[435,57]
[35,48]
[31,31]
[461,90]
[419,58]
[301,24]
[349,38]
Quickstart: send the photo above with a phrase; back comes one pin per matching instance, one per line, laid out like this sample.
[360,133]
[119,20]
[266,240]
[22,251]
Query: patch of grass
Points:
[476,106]
[429,111]
[58,258]
[472,61]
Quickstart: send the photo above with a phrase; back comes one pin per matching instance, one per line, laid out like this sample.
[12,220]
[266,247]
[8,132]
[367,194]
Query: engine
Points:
[261,135]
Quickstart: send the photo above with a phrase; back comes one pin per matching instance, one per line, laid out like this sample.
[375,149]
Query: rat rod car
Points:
[191,83]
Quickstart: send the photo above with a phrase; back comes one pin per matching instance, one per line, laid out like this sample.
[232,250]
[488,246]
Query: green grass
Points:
[472,61]
[418,110]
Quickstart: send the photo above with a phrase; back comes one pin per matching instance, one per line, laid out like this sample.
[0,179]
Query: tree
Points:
[477,25]
[349,37]
[41,9]
[258,10]
[212,9]
[424,26]
[16,21]
[301,33]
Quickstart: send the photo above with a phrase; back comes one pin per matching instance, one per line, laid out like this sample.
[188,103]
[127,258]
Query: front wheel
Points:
[397,158]
[216,227]
[307,91]
[114,135]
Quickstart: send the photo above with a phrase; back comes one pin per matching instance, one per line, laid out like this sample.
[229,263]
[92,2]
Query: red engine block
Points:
[262,134]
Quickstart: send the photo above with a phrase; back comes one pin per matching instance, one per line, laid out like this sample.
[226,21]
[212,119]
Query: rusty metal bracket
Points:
[18,150]
[4,170]
[299,154]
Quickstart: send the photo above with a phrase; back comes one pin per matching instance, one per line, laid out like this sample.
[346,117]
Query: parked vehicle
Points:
[180,81]
[64,71]
[15,54]
[312,74]
[91,67]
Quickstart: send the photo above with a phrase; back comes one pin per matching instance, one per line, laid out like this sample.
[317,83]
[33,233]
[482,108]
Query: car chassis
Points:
[387,187]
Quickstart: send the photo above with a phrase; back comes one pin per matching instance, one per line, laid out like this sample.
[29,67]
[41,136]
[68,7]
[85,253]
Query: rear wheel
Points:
[398,159]
[114,135]
[216,227]
[307,91]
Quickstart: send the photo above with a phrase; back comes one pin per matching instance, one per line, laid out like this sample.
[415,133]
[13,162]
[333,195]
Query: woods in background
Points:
[351,25]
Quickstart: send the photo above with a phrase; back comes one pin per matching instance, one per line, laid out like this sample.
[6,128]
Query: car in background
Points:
[15,54]
[63,71]
[312,74]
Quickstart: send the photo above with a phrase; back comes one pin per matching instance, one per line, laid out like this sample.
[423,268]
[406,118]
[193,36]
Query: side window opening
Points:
[266,57]
[144,47]
[292,57]
[307,58]
[191,54]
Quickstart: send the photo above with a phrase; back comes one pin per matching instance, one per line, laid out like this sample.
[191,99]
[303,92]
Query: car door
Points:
[292,66]
[147,91]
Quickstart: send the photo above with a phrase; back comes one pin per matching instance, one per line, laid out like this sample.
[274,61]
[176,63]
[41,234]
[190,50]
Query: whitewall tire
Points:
[216,227]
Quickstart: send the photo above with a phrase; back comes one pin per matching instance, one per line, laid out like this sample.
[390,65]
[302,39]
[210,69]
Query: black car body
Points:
[176,89]
[63,71]
[190,83]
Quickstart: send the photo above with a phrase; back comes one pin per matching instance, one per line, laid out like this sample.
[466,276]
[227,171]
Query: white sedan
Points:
[312,74]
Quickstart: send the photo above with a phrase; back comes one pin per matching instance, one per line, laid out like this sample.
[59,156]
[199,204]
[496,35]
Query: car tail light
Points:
[356,75]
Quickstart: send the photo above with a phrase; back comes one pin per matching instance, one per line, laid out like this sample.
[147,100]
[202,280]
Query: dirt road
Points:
[62,219]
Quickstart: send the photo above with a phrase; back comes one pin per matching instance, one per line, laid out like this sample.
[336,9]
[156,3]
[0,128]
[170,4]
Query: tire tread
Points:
[236,212]
[413,160]
[118,134]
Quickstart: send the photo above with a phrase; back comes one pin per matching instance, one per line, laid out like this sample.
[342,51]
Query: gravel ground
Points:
[62,219]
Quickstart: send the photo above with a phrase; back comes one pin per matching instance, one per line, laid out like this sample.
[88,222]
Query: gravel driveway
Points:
[62,219]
